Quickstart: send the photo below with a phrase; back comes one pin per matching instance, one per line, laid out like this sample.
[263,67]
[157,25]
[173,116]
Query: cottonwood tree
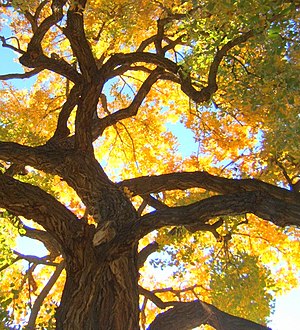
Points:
[91,165]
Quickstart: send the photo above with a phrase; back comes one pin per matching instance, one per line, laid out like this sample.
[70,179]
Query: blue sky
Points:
[286,316]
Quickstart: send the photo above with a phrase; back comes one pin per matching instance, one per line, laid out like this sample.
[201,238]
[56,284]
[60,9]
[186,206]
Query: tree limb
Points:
[265,206]
[34,57]
[129,58]
[185,180]
[59,66]
[33,19]
[51,245]
[188,315]
[46,24]
[153,202]
[6,45]
[34,203]
[131,110]
[155,299]
[62,131]
[72,165]
[86,110]
[205,93]
[42,158]
[145,253]
[75,33]
[39,300]
[34,259]
[20,75]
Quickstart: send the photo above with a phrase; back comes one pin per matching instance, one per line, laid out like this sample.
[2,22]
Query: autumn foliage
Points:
[150,150]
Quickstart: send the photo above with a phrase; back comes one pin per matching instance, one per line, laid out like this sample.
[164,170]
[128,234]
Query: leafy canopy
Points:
[226,72]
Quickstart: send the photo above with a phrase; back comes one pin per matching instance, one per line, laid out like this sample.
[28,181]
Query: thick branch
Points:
[59,66]
[33,203]
[35,260]
[130,58]
[185,80]
[34,57]
[86,110]
[74,31]
[80,170]
[188,315]
[51,245]
[33,19]
[222,52]
[153,202]
[155,299]
[47,23]
[205,93]
[62,131]
[145,253]
[185,180]
[42,158]
[265,206]
[145,43]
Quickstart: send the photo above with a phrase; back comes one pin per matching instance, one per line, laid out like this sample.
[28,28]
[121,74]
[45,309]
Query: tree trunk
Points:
[101,294]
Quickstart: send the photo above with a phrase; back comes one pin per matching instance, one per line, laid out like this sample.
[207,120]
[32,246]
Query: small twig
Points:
[24,75]
[227,112]
[5,44]
[34,259]
[156,300]
[9,264]
[39,300]
[142,207]
[285,174]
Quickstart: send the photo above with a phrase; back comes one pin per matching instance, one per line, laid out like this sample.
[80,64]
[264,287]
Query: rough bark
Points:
[185,316]
[185,180]
[100,294]
[263,205]
[101,290]
[33,203]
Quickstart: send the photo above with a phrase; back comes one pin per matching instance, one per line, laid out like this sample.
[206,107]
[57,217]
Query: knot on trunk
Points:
[105,233]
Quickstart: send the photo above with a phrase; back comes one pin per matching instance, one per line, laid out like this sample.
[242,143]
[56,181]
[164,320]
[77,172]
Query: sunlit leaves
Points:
[8,232]
[242,287]
[247,128]
[20,286]
[36,115]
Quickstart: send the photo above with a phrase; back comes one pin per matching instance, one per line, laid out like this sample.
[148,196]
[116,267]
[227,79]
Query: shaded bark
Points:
[101,290]
[33,203]
[261,204]
[100,294]
[185,316]
[185,180]
[145,253]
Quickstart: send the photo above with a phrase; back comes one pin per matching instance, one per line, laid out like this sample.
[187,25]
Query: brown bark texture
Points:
[101,259]
[185,316]
[101,295]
